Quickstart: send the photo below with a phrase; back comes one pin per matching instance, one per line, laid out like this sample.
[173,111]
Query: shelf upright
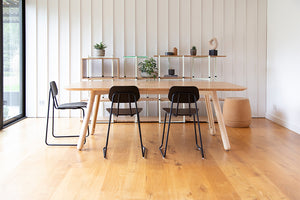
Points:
[158,61]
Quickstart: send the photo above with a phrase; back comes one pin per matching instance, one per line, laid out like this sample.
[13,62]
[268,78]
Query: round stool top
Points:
[236,98]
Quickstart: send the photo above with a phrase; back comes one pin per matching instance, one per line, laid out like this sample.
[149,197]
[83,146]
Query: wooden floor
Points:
[263,164]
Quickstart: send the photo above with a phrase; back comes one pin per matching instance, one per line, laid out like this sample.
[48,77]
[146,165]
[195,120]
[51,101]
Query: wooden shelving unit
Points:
[87,63]
[209,77]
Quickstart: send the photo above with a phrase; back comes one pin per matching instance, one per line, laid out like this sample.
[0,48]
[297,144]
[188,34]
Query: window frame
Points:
[22,68]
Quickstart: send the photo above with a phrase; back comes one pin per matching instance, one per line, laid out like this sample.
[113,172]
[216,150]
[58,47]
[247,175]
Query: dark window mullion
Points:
[1,64]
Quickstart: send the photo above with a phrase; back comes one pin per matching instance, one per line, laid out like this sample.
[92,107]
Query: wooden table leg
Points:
[85,122]
[210,116]
[220,118]
[95,113]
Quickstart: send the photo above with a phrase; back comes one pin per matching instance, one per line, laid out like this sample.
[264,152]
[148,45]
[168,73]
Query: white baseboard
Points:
[284,123]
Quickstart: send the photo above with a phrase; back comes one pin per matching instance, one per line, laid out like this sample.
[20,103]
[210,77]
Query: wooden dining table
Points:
[208,89]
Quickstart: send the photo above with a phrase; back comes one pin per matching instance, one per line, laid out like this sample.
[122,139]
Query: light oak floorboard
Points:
[263,163]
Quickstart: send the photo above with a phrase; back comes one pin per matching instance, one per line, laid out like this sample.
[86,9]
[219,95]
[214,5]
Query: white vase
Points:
[147,75]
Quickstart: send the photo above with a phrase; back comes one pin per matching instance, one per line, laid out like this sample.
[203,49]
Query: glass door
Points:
[13,70]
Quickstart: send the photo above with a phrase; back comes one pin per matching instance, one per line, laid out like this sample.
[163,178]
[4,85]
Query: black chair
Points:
[178,95]
[53,91]
[124,94]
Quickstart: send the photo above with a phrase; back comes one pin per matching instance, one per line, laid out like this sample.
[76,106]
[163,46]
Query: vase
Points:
[193,52]
[171,72]
[99,52]
[147,75]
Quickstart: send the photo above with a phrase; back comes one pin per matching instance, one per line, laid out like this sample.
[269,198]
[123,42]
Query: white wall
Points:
[283,97]
[60,32]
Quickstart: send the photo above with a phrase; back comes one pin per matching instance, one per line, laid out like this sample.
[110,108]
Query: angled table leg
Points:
[221,122]
[85,122]
[210,116]
[95,112]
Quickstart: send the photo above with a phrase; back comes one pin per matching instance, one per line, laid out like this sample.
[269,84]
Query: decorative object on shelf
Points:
[193,51]
[175,51]
[168,53]
[213,43]
[148,68]
[171,72]
[99,49]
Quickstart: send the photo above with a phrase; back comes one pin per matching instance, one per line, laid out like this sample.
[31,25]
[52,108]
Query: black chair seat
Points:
[181,111]
[74,105]
[124,111]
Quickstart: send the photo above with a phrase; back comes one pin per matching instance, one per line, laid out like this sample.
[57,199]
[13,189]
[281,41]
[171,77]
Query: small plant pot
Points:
[99,52]
[213,52]
[193,52]
[171,72]
[147,75]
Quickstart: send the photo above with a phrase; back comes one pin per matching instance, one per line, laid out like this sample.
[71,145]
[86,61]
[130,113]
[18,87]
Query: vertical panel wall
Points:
[60,32]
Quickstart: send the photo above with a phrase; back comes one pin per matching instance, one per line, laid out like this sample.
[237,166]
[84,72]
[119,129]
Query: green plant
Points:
[101,46]
[148,66]
[194,48]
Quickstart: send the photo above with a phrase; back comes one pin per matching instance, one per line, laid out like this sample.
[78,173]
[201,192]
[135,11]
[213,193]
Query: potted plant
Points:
[148,68]
[99,49]
[193,51]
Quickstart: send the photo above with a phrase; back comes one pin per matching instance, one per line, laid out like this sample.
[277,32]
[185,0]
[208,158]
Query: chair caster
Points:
[104,152]
[161,151]
[144,151]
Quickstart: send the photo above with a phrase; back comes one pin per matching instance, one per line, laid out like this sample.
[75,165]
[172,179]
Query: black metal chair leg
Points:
[196,139]
[164,154]
[66,136]
[202,152]
[105,148]
[143,148]
[163,135]
[46,137]
[47,123]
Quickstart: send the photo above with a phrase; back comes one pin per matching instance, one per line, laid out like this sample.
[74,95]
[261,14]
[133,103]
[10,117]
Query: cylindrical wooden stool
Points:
[237,112]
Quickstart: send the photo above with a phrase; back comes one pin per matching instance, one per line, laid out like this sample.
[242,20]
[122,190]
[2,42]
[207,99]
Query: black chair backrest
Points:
[124,94]
[183,94]
[53,88]
[54,92]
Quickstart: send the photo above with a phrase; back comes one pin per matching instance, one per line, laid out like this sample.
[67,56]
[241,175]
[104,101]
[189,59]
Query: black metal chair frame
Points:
[190,113]
[56,106]
[117,95]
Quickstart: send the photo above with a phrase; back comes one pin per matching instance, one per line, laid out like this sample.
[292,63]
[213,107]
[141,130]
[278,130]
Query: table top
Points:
[153,86]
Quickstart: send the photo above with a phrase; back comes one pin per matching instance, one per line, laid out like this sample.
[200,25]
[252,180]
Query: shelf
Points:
[100,57]
[172,56]
[148,119]
[150,99]
[99,77]
[175,77]
[135,57]
[86,65]
[204,56]
[188,56]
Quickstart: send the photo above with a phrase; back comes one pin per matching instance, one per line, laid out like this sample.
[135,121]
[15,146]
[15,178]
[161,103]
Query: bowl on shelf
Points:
[168,53]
